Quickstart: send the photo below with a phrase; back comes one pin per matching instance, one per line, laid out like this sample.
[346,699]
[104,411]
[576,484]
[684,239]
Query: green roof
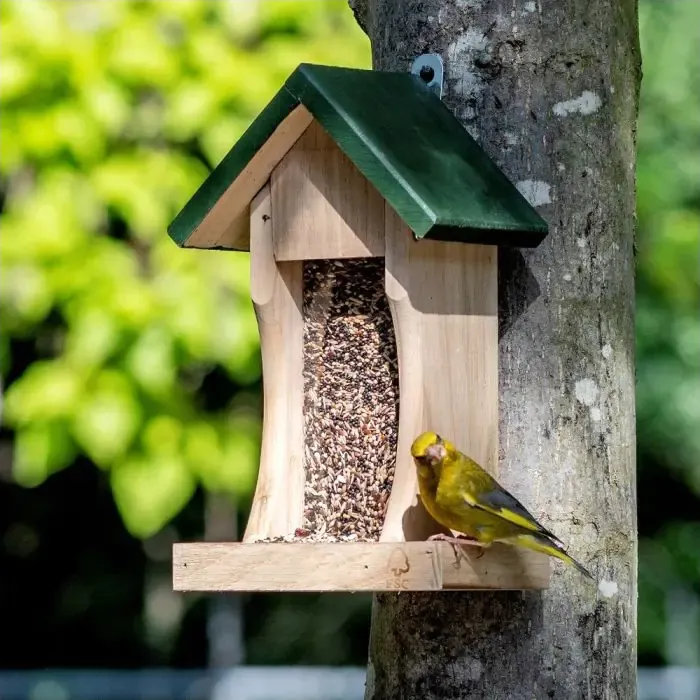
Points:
[405,141]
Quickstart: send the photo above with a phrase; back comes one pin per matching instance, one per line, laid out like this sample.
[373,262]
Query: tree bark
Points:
[549,89]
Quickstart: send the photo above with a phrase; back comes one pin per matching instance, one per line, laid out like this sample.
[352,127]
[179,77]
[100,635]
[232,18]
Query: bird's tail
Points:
[541,543]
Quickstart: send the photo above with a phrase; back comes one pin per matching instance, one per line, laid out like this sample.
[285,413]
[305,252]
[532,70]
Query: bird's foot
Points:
[457,544]
[462,540]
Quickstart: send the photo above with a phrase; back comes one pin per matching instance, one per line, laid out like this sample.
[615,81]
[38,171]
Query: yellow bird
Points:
[460,495]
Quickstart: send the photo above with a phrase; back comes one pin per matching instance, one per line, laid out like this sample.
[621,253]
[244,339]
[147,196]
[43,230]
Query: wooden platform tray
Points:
[354,566]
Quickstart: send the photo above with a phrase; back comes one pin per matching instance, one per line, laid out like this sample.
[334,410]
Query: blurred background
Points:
[131,368]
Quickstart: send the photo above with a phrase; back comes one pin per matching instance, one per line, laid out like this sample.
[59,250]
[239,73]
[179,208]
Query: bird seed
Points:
[351,399]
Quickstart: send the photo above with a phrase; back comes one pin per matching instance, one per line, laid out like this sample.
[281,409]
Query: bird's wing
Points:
[486,494]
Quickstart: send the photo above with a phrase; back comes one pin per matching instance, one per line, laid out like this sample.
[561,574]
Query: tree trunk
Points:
[549,89]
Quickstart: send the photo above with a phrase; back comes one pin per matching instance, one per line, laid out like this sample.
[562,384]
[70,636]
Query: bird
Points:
[462,496]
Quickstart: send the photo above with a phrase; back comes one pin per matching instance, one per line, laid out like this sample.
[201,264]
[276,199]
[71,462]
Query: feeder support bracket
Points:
[429,68]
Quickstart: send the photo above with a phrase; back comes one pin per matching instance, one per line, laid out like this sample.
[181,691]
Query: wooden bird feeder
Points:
[372,219]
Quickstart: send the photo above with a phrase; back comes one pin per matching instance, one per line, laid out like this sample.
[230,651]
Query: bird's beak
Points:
[436,453]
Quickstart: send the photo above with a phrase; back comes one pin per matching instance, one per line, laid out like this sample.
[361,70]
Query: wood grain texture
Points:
[566,316]
[226,225]
[353,566]
[444,303]
[324,207]
[276,290]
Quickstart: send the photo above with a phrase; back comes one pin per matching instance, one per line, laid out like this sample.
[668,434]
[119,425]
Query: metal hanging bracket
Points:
[429,68]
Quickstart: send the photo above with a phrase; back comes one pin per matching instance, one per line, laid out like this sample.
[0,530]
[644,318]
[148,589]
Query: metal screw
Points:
[429,68]
[427,73]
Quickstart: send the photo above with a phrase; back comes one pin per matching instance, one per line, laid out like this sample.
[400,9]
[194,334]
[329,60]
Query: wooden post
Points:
[549,89]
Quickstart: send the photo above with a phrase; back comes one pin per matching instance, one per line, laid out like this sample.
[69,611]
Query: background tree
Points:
[550,92]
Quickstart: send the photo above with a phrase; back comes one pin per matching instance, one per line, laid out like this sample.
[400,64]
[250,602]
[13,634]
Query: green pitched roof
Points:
[405,141]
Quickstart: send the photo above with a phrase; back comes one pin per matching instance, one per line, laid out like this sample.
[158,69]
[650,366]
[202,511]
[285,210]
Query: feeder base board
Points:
[354,566]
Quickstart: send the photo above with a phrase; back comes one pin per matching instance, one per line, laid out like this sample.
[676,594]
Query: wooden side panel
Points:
[324,206]
[227,223]
[405,518]
[444,301]
[360,566]
[276,290]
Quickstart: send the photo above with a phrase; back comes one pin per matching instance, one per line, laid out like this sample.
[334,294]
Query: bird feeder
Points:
[372,219]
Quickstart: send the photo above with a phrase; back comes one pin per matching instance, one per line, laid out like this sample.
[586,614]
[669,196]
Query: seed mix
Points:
[351,399]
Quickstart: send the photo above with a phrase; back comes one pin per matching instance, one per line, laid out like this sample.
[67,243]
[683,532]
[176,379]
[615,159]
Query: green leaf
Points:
[241,455]
[46,391]
[225,457]
[107,417]
[40,450]
[150,491]
[163,436]
[204,453]
[151,361]
[25,295]
[92,338]
[15,78]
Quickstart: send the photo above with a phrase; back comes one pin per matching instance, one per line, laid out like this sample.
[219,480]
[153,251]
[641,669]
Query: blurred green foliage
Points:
[113,113]
[113,340]
[668,322]
[668,173]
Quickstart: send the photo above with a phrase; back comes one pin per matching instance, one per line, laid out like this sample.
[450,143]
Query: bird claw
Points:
[461,540]
[457,544]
